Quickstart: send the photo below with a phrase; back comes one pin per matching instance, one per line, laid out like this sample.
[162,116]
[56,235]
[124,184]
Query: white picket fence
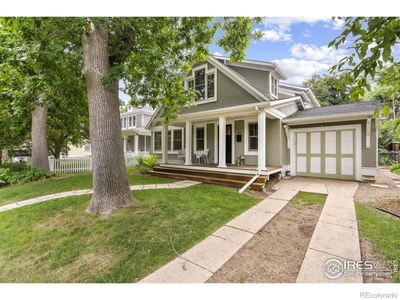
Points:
[84,164]
[70,165]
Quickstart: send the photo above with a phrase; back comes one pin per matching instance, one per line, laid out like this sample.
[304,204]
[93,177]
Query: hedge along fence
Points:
[84,164]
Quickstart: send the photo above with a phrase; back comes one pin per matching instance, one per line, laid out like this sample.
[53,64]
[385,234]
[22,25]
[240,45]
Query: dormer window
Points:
[203,81]
[274,86]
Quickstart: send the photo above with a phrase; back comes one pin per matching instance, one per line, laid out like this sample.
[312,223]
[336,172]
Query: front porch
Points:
[136,142]
[235,169]
[194,142]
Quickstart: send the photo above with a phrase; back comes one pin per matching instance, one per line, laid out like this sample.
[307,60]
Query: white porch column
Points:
[164,144]
[125,143]
[188,143]
[261,140]
[222,143]
[136,144]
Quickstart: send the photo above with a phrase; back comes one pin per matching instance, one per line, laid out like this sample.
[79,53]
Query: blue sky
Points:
[297,44]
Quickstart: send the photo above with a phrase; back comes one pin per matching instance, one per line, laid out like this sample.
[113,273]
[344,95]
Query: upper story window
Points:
[203,81]
[274,86]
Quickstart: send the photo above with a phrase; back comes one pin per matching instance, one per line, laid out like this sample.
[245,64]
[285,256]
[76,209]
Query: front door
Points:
[228,139]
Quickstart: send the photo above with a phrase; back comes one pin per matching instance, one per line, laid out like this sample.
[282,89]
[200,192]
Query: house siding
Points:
[250,160]
[228,94]
[210,141]
[257,78]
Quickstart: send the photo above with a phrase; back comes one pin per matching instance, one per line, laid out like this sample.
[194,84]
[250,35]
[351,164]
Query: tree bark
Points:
[39,138]
[110,180]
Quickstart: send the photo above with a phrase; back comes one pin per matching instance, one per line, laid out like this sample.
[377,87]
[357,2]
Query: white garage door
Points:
[326,152]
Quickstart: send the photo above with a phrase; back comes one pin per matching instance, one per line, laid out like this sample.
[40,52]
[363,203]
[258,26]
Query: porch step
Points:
[220,178]
[208,173]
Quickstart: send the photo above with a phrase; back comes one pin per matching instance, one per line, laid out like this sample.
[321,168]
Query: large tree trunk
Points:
[110,179]
[39,138]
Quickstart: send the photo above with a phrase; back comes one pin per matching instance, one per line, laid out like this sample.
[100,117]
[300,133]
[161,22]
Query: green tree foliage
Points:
[42,66]
[151,55]
[325,88]
[388,134]
[372,41]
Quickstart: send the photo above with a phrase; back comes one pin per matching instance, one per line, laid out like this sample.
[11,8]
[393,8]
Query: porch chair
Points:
[202,154]
[181,155]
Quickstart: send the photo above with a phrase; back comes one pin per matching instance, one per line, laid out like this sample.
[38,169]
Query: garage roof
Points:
[366,107]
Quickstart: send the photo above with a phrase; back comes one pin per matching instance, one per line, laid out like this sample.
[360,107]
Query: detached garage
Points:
[338,142]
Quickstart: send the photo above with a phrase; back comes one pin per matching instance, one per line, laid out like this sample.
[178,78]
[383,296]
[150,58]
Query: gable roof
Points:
[238,79]
[256,64]
[365,108]
[305,92]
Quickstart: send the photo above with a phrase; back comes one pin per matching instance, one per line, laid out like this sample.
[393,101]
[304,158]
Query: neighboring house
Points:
[137,139]
[247,121]
[82,151]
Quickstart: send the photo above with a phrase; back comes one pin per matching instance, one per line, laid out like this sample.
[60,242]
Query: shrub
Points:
[395,168]
[143,169]
[16,166]
[145,164]
[388,133]
[8,176]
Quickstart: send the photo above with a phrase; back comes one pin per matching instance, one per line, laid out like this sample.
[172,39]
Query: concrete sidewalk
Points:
[200,262]
[175,185]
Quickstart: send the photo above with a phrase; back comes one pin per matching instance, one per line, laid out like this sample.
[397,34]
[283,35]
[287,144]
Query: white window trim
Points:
[153,142]
[203,125]
[246,137]
[172,151]
[208,72]
[271,92]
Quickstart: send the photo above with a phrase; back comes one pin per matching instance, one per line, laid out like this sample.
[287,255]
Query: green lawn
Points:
[382,230]
[57,241]
[64,182]
[304,199]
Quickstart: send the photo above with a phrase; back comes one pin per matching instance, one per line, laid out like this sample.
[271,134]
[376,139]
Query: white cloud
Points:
[337,24]
[297,70]
[286,22]
[218,53]
[321,53]
[278,28]
[276,35]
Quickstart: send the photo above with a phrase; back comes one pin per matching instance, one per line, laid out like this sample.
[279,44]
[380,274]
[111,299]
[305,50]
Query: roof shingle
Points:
[358,107]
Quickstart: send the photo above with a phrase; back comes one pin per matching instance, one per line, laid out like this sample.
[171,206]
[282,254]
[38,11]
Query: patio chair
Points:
[181,155]
[202,154]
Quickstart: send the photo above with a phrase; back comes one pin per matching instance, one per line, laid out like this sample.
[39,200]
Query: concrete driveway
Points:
[335,238]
